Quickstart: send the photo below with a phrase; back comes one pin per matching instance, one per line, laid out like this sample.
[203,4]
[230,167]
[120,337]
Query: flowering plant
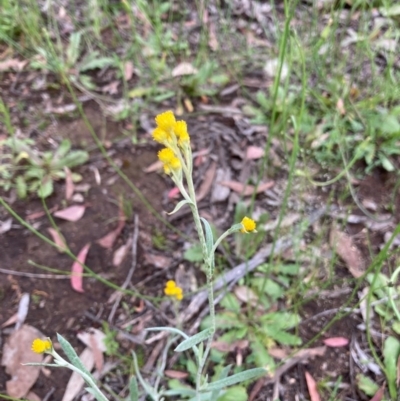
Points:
[177,160]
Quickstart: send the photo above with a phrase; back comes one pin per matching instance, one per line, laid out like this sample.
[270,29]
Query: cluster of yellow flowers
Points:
[175,156]
[172,290]
[175,137]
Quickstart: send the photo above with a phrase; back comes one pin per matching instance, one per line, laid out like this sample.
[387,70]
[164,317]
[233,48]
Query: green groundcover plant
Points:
[177,160]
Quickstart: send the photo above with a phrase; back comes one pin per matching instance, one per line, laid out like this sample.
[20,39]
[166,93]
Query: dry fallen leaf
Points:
[94,339]
[31,396]
[77,269]
[336,342]
[121,252]
[219,192]
[5,225]
[246,294]
[247,190]
[184,69]
[72,213]
[108,240]
[76,381]
[176,374]
[69,184]
[343,244]
[12,64]
[207,182]
[312,387]
[158,261]
[128,70]
[254,153]
[379,394]
[156,166]
[16,352]
[58,239]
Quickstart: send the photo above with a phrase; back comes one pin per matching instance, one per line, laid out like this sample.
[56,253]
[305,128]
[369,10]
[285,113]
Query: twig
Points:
[36,275]
[138,339]
[131,270]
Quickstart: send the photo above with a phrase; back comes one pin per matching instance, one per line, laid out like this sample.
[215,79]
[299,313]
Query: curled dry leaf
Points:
[16,352]
[247,190]
[72,213]
[77,269]
[58,239]
[108,240]
[343,244]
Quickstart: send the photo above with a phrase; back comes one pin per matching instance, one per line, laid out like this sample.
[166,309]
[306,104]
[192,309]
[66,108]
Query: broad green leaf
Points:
[194,340]
[194,253]
[365,384]
[73,48]
[22,188]
[180,204]
[391,351]
[238,378]
[87,82]
[73,159]
[386,163]
[71,354]
[261,356]
[46,187]
[62,149]
[230,302]
[133,389]
[95,63]
[235,393]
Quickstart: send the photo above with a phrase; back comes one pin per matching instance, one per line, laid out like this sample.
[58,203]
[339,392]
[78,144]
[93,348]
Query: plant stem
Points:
[208,261]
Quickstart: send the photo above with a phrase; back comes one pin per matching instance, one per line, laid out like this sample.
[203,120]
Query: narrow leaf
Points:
[194,340]
[71,354]
[209,235]
[237,378]
[180,204]
[224,373]
[133,389]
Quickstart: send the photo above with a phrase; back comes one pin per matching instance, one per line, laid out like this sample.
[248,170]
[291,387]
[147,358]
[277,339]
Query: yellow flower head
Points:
[248,225]
[169,160]
[169,131]
[161,136]
[40,346]
[181,132]
[172,290]
[166,121]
